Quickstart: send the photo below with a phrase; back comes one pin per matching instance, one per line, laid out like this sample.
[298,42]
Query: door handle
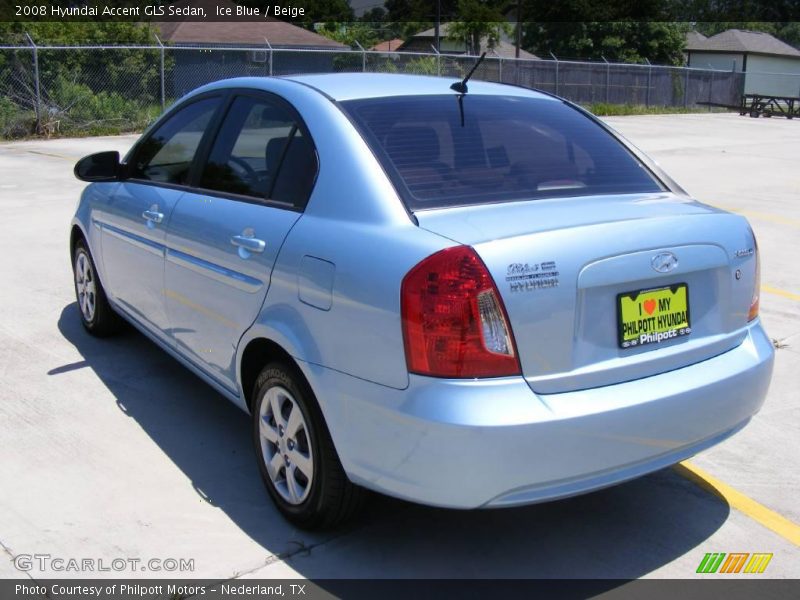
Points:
[153,216]
[250,244]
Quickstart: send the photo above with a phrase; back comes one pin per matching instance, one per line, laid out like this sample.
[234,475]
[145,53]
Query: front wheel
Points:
[295,453]
[97,316]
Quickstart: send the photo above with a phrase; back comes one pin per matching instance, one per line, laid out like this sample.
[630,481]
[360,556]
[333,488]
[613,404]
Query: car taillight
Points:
[454,321]
[753,313]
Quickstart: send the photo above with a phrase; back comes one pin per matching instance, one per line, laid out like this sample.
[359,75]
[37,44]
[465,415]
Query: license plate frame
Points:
[636,327]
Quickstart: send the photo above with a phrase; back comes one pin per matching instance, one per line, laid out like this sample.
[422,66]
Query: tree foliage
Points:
[616,41]
[419,10]
[75,33]
[101,88]
[315,11]
[478,22]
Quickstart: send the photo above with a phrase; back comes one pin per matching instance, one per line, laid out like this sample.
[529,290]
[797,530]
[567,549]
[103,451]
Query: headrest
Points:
[274,150]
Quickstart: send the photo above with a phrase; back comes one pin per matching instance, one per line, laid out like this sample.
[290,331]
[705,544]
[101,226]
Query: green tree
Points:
[350,32]
[419,10]
[376,14]
[88,86]
[478,22]
[74,33]
[315,11]
[616,41]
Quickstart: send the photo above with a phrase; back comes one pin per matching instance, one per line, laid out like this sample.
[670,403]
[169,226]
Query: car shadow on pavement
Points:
[622,532]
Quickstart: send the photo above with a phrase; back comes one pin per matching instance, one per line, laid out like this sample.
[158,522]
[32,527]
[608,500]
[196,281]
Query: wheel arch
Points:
[258,352]
[76,233]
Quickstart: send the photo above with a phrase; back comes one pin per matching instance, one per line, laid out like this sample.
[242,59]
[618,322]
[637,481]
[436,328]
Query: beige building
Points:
[771,67]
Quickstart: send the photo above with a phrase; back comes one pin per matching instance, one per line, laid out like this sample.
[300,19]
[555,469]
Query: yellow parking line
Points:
[773,290]
[763,216]
[735,499]
[38,152]
[50,154]
[770,217]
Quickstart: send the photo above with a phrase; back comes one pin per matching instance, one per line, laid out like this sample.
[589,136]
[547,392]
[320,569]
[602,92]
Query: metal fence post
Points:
[608,76]
[37,109]
[438,61]
[363,57]
[500,68]
[649,82]
[711,91]
[686,90]
[270,55]
[163,94]
[555,59]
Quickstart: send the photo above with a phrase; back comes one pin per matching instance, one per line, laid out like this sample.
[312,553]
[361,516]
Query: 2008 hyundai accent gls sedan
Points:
[471,298]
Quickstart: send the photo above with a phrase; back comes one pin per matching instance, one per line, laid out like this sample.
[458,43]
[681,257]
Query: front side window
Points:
[260,152]
[494,149]
[166,155]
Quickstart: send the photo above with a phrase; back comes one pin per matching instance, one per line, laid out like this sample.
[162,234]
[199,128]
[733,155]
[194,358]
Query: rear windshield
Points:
[497,149]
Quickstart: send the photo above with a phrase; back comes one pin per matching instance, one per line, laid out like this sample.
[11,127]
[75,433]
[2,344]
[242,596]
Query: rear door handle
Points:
[250,244]
[153,216]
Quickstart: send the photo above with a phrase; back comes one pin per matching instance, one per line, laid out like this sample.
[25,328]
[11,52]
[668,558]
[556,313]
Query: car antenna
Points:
[461,86]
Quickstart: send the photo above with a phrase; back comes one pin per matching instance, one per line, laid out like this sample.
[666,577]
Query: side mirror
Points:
[103,166]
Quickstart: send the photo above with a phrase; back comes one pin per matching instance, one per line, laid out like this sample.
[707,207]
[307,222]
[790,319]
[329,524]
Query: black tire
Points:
[102,321]
[331,499]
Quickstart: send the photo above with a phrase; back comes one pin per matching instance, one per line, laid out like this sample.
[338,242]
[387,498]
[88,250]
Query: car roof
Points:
[352,86]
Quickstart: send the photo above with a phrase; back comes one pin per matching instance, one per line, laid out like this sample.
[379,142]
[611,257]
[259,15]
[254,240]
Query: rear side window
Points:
[166,155]
[261,152]
[497,149]
[298,172]
[248,149]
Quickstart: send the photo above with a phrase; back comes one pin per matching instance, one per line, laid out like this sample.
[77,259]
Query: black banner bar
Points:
[308,11]
[733,588]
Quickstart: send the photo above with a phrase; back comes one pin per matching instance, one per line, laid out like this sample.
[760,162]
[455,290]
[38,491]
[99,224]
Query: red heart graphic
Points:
[649,306]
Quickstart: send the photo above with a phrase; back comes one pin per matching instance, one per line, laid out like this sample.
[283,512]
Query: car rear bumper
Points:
[492,443]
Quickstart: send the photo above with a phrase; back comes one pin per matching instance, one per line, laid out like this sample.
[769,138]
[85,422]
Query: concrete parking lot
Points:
[110,449]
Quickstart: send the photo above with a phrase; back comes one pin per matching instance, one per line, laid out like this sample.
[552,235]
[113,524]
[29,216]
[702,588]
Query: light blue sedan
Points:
[469,296]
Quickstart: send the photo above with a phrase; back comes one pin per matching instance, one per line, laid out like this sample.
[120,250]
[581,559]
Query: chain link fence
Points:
[84,90]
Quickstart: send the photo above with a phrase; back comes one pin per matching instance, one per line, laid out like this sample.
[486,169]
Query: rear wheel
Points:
[96,313]
[295,453]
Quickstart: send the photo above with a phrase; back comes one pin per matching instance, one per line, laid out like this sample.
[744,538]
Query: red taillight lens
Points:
[753,313]
[454,322]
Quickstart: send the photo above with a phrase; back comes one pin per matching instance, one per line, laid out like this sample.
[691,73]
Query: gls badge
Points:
[664,262]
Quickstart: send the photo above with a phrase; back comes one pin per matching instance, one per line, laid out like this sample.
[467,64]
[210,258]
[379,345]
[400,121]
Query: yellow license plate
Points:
[653,316]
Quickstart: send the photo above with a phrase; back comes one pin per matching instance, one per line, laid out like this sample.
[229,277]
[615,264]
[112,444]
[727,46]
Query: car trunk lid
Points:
[561,265]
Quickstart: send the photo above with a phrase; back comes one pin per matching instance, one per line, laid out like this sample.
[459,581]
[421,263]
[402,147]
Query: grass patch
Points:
[602,109]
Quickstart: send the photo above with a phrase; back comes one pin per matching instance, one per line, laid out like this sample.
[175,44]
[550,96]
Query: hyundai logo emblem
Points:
[664,262]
